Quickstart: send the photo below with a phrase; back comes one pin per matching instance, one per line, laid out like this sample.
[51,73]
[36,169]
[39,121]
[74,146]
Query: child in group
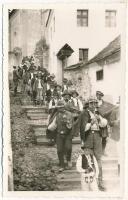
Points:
[88,168]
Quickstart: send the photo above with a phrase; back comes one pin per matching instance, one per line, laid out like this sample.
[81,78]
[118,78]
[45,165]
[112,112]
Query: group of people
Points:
[69,116]
[39,84]
[92,122]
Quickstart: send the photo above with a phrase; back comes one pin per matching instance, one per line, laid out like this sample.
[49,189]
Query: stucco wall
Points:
[94,37]
[110,85]
[25,30]
[80,80]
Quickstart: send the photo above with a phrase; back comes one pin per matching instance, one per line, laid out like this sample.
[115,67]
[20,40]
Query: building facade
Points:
[77,34]
[25,30]
[104,72]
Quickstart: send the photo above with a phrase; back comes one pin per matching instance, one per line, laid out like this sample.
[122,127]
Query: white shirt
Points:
[39,84]
[100,102]
[48,86]
[77,102]
[31,75]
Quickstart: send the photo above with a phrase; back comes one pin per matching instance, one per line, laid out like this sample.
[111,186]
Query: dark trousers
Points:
[104,142]
[64,148]
[15,87]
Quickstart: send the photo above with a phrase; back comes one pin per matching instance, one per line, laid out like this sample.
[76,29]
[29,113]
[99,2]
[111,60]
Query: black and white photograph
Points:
[64,85]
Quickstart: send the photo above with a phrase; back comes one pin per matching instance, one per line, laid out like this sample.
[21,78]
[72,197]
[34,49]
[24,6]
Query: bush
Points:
[29,175]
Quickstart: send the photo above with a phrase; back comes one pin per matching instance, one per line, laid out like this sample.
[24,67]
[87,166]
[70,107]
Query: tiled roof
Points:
[75,66]
[110,49]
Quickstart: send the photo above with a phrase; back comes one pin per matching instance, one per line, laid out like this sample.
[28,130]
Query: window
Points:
[99,75]
[110,18]
[83,54]
[82,17]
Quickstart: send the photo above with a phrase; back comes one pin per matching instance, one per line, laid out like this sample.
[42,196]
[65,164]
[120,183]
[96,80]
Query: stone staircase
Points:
[38,120]
[69,180]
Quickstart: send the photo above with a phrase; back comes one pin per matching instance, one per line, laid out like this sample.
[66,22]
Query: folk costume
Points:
[87,166]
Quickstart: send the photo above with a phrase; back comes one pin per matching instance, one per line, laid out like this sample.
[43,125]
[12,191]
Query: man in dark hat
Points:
[50,90]
[90,133]
[64,121]
[67,98]
[58,90]
[76,101]
[65,85]
[16,79]
[104,108]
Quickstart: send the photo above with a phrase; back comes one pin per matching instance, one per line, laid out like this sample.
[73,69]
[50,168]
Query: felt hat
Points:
[66,92]
[75,92]
[99,93]
[92,100]
[86,104]
[52,76]
[58,86]
[65,80]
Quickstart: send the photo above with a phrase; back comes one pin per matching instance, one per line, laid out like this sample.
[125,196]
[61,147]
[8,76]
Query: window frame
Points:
[110,21]
[97,74]
[82,19]
[84,58]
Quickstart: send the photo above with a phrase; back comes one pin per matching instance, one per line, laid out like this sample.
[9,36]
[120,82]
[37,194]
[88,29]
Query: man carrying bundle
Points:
[63,123]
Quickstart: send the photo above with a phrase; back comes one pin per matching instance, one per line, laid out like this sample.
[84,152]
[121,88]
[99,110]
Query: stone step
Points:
[36,111]
[42,141]
[107,172]
[34,117]
[30,108]
[75,175]
[39,114]
[75,185]
[37,123]
[113,172]
[39,129]
[109,162]
[72,187]
[112,183]
[108,182]
[40,133]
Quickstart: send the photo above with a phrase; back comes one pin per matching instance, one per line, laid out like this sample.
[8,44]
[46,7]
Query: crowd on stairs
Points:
[70,115]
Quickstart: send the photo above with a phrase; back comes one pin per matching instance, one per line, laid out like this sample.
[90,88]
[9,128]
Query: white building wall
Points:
[94,37]
[111,83]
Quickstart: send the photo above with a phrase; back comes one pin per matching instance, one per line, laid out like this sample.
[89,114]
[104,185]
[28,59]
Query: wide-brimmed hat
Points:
[66,92]
[57,85]
[75,92]
[86,105]
[52,76]
[92,100]
[65,80]
[99,93]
